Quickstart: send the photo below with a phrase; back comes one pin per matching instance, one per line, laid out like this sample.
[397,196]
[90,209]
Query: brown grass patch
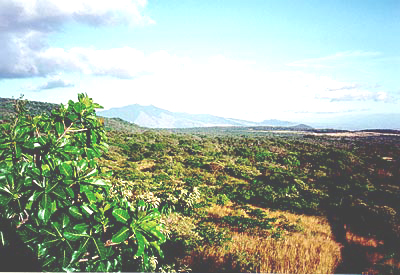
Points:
[312,250]
[219,211]
[293,254]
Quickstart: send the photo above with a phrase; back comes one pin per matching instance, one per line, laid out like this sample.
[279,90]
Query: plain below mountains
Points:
[153,117]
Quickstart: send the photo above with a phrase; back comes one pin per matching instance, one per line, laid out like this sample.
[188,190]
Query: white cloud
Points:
[218,85]
[123,62]
[54,83]
[45,15]
[225,87]
[356,94]
[25,25]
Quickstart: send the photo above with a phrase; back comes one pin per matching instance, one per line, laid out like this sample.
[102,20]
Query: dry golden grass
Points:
[312,250]
[312,225]
[220,211]
[293,254]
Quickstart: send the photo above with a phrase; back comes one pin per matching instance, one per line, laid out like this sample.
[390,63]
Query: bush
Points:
[54,196]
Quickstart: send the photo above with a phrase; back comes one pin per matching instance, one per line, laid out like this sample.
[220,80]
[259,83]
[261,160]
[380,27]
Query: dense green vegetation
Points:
[352,181]
[55,198]
[203,191]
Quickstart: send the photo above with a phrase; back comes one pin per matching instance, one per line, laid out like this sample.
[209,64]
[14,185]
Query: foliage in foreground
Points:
[55,197]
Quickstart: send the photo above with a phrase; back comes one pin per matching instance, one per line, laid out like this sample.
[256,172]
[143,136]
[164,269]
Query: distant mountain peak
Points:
[154,117]
[276,122]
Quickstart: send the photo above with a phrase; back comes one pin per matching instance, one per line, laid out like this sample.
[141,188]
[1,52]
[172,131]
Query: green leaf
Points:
[82,165]
[2,239]
[45,208]
[18,151]
[42,141]
[90,196]
[59,128]
[91,153]
[81,227]
[42,231]
[59,192]
[157,247]
[75,212]
[73,117]
[159,235]
[72,150]
[141,244]
[91,174]
[4,145]
[99,182]
[32,144]
[121,215]
[101,267]
[93,136]
[42,250]
[121,235]
[49,261]
[66,169]
[4,199]
[75,256]
[86,209]
[73,236]
[64,141]
[65,221]
[70,192]
[78,107]
[97,106]
[100,249]
[46,126]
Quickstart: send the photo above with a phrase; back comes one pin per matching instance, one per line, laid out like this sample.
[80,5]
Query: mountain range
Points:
[135,116]
[154,117]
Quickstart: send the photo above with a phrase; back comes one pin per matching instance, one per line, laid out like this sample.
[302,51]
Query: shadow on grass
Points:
[369,243]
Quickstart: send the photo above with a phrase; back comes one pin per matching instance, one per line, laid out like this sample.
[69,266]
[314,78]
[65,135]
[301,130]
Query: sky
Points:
[295,60]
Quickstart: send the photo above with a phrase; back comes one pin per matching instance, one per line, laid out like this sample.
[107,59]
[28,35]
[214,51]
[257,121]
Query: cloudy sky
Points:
[250,59]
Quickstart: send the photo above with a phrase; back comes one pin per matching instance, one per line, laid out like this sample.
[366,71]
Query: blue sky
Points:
[294,60]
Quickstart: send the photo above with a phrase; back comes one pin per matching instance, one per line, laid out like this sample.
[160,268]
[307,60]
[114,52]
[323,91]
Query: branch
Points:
[80,130]
[66,130]
[71,131]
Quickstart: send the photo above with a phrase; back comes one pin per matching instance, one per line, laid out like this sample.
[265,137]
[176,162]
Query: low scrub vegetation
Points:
[160,201]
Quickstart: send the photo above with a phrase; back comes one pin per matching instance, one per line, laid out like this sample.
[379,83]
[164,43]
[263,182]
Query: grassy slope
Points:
[338,189]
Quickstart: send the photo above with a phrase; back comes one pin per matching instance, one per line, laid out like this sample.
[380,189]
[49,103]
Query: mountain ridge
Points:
[154,117]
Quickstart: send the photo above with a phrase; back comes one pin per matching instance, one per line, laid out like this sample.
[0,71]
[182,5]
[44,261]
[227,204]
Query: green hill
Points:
[34,107]
[117,124]
[37,107]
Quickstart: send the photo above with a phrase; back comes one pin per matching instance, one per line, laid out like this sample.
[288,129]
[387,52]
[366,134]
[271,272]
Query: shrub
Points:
[54,195]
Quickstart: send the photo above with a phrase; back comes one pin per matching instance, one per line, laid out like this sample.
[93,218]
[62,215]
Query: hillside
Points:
[117,124]
[33,107]
[244,202]
[38,107]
